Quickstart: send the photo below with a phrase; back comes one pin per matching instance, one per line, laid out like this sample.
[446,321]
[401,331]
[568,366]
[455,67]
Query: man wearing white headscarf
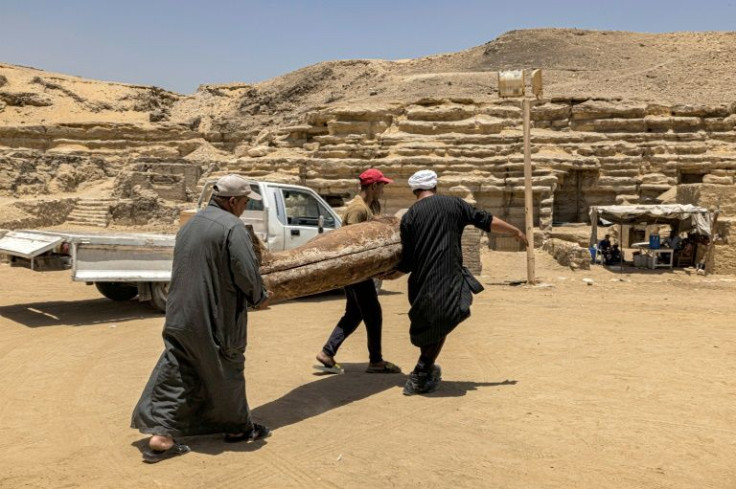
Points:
[423,180]
[440,287]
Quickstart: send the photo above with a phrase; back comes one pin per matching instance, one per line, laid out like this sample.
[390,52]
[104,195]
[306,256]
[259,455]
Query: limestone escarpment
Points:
[626,117]
[585,152]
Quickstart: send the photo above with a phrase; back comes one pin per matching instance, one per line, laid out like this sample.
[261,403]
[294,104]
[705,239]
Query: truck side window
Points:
[329,221]
[302,209]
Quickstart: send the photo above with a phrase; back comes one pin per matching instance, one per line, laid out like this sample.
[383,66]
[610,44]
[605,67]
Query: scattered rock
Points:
[22,99]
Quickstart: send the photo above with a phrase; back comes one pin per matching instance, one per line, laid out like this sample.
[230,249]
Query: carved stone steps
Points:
[90,212]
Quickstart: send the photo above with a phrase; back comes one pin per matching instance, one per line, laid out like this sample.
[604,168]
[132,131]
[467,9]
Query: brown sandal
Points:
[329,367]
[386,368]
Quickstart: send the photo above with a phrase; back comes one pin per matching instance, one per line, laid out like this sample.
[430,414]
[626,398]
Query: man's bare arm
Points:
[502,227]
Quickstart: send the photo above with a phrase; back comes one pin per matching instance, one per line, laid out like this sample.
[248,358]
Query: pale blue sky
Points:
[179,44]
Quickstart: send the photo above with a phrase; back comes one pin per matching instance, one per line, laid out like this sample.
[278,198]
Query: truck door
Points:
[302,212]
[255,215]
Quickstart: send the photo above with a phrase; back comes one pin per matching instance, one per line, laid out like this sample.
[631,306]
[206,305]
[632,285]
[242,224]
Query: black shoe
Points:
[423,382]
[256,433]
[436,373]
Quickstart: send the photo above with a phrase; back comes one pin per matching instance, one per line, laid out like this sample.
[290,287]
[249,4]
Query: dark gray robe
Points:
[198,384]
[440,288]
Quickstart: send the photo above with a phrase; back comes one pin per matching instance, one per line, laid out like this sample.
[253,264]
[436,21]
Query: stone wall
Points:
[584,152]
[710,196]
[163,140]
[175,180]
[145,209]
[36,213]
[724,255]
[32,172]
[568,254]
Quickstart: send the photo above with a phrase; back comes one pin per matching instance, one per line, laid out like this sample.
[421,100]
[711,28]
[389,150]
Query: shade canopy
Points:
[683,217]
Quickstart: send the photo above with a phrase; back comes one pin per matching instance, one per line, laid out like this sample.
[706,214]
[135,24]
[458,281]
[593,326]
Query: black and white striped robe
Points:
[440,288]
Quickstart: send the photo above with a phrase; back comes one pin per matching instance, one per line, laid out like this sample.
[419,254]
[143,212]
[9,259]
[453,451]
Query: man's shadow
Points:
[337,390]
[332,391]
[76,313]
[458,388]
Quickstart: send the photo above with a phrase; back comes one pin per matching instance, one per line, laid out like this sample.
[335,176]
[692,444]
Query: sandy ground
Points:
[624,383]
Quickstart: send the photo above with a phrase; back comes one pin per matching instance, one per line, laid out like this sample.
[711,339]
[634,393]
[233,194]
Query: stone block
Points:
[724,254]
[718,180]
[567,253]
[602,110]
[439,113]
[654,187]
[658,110]
[623,199]
[582,126]
[619,125]
[501,111]
[654,178]
[477,125]
[549,112]
[616,181]
[336,128]
[700,110]
[657,123]
[718,124]
[357,114]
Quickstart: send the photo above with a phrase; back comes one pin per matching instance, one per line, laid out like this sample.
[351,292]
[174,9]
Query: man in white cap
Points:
[440,287]
[198,384]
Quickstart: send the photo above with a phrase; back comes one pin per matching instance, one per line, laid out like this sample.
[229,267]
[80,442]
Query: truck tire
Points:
[117,291]
[159,294]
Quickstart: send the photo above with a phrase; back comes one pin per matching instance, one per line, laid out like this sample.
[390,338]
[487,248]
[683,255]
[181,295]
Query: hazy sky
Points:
[179,44]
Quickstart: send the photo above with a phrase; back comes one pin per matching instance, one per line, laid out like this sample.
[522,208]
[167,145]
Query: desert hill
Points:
[683,67]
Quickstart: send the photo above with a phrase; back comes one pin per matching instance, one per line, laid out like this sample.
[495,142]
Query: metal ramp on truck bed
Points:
[103,257]
[29,245]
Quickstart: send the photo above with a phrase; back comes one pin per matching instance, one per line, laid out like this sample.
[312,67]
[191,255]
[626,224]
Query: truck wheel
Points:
[159,294]
[117,291]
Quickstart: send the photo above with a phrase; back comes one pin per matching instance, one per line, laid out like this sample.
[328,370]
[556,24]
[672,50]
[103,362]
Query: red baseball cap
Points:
[373,175]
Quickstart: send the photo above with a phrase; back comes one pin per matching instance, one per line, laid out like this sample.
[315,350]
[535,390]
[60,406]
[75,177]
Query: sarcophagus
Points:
[332,260]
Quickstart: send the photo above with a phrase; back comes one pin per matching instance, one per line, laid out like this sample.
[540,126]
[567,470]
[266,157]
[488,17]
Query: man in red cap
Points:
[362,298]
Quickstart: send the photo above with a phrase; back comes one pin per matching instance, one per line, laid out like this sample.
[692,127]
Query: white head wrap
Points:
[423,179]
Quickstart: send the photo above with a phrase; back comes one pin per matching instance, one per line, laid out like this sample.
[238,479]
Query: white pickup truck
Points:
[125,265]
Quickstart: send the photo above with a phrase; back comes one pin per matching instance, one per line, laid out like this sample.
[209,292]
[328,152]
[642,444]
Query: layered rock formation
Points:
[625,118]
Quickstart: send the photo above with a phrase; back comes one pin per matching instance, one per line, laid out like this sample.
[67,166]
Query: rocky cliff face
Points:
[585,152]
[625,118]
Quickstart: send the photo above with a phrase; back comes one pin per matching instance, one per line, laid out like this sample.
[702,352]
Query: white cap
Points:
[423,180]
[235,186]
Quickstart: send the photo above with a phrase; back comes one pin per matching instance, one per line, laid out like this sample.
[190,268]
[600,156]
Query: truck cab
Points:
[287,217]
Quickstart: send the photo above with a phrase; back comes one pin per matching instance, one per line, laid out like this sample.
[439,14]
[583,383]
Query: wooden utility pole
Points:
[528,195]
[512,84]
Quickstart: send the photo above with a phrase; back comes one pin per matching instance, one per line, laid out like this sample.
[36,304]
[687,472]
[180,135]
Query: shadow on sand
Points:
[335,391]
[76,313]
[315,398]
